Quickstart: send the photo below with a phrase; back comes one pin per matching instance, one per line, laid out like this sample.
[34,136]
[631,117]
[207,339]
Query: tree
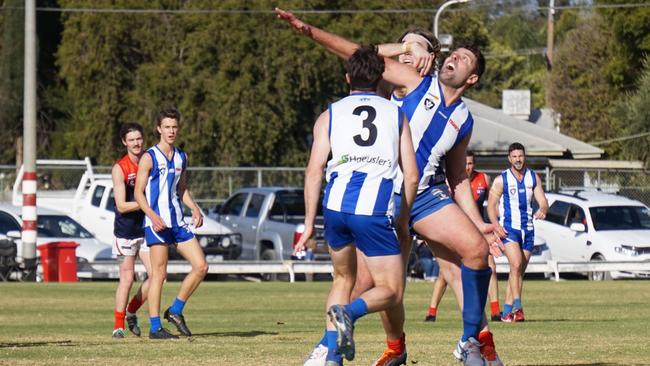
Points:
[633,112]
[579,89]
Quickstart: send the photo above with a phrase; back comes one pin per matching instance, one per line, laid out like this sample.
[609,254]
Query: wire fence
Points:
[212,185]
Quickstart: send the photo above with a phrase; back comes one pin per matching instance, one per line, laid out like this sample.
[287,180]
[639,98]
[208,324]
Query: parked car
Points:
[270,220]
[541,253]
[55,226]
[96,211]
[595,226]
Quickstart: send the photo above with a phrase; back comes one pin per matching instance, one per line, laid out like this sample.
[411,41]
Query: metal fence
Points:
[212,185]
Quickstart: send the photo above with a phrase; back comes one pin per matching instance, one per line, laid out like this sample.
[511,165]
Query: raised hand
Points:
[296,23]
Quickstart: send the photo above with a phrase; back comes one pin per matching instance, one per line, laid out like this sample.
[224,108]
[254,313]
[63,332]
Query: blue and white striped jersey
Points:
[515,209]
[435,127]
[162,187]
[364,136]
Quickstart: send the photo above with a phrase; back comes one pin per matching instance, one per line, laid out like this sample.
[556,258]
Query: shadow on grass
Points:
[253,333]
[36,344]
[569,320]
[586,364]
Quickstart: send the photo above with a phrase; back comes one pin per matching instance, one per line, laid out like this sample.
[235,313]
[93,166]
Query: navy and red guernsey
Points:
[128,225]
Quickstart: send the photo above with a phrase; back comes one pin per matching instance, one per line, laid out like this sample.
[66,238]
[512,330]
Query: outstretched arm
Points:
[395,73]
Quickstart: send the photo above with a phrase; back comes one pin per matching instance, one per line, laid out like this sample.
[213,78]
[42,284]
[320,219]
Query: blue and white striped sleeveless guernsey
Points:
[162,187]
[515,209]
[436,129]
[364,137]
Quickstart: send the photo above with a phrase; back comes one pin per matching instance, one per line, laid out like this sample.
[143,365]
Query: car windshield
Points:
[61,226]
[620,218]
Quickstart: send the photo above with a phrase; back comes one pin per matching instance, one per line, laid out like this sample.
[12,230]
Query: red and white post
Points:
[29,143]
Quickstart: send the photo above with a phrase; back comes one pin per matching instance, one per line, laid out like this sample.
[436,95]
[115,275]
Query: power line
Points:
[308,11]
[623,138]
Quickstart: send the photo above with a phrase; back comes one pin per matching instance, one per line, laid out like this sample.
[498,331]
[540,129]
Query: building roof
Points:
[494,131]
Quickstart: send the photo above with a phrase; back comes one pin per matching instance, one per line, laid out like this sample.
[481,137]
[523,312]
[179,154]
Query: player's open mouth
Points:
[450,66]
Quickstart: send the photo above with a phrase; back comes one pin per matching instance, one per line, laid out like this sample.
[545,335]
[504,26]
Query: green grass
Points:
[238,323]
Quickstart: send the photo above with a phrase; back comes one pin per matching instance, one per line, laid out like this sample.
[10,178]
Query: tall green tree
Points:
[579,89]
[11,77]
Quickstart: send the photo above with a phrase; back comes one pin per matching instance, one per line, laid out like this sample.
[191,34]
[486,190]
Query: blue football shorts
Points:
[525,238]
[427,202]
[168,236]
[373,235]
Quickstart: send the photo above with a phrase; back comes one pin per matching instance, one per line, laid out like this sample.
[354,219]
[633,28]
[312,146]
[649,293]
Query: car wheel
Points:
[268,254]
[599,276]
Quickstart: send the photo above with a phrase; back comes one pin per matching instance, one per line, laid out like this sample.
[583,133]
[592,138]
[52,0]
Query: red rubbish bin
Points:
[59,261]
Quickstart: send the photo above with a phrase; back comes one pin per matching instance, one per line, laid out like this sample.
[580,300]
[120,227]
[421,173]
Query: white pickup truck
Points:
[93,205]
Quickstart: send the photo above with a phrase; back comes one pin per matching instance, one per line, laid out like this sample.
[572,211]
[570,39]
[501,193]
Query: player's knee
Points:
[127,277]
[477,253]
[202,269]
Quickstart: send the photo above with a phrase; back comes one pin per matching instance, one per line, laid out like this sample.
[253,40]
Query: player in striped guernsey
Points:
[441,127]
[513,192]
[127,228]
[160,185]
[368,137]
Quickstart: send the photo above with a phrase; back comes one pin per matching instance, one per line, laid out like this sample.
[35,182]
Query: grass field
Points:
[241,323]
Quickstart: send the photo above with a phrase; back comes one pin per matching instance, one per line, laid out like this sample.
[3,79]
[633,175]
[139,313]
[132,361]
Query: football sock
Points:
[475,289]
[494,308]
[397,345]
[356,309]
[119,320]
[516,304]
[485,338]
[177,306]
[507,309]
[333,348]
[323,341]
[432,311]
[134,305]
[154,322]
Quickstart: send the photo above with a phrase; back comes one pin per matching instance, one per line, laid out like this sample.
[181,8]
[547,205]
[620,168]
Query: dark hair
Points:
[365,67]
[130,127]
[480,59]
[516,146]
[469,153]
[172,113]
[435,44]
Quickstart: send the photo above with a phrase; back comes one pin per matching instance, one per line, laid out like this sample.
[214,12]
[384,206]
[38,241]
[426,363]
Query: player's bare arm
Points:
[188,200]
[461,191]
[119,191]
[395,73]
[540,197]
[144,168]
[411,178]
[496,191]
[314,175]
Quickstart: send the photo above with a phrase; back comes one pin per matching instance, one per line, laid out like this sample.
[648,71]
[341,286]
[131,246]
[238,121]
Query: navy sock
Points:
[154,322]
[475,291]
[323,341]
[516,304]
[507,309]
[332,347]
[177,306]
[357,309]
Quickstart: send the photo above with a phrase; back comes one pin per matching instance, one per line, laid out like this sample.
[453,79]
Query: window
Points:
[557,212]
[235,205]
[255,205]
[576,216]
[620,218]
[97,196]
[8,223]
[60,226]
[110,203]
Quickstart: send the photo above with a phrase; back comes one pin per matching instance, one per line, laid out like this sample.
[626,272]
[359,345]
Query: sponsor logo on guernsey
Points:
[130,179]
[454,125]
[178,170]
[378,160]
[428,104]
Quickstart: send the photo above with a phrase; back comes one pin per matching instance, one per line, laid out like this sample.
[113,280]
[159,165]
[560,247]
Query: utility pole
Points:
[549,35]
[29,142]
